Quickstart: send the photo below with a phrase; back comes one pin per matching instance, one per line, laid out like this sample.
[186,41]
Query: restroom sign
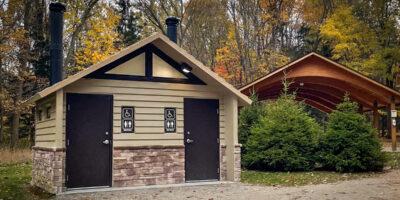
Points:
[127,119]
[170,120]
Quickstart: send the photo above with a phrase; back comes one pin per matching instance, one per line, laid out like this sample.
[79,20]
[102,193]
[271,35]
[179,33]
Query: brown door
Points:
[88,140]
[201,138]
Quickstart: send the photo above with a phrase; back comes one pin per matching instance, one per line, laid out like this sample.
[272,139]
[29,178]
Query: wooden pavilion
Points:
[322,84]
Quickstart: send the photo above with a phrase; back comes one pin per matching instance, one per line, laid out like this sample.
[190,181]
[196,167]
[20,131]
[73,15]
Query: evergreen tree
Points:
[249,116]
[350,142]
[39,35]
[128,27]
[284,139]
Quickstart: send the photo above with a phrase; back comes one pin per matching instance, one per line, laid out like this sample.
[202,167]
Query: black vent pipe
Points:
[56,41]
[172,25]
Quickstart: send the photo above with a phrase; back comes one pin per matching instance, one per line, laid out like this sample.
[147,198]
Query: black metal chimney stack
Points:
[172,24]
[56,41]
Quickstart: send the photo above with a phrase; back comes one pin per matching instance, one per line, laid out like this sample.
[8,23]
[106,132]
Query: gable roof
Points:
[313,57]
[158,39]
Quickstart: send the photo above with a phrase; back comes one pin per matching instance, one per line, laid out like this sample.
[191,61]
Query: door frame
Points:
[111,146]
[218,137]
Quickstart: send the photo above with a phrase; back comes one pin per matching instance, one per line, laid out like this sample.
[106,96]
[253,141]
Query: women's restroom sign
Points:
[127,119]
[170,120]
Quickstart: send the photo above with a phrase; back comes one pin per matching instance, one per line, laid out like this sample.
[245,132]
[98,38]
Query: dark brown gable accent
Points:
[148,50]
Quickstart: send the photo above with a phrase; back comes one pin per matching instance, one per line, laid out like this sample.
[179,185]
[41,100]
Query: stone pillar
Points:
[48,169]
[231,138]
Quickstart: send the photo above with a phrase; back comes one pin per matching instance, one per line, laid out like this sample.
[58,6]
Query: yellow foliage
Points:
[354,44]
[99,41]
[227,59]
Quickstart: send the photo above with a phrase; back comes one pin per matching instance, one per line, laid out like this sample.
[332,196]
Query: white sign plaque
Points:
[170,120]
[127,119]
[393,113]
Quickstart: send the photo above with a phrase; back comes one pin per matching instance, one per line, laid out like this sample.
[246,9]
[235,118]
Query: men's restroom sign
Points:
[127,119]
[170,120]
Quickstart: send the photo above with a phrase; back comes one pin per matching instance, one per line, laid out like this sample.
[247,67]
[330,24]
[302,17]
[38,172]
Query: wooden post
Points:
[393,129]
[375,117]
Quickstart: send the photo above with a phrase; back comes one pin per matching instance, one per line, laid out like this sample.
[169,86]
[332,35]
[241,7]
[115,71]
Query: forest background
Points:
[241,40]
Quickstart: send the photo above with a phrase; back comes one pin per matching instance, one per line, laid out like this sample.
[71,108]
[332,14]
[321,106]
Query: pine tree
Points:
[350,142]
[128,27]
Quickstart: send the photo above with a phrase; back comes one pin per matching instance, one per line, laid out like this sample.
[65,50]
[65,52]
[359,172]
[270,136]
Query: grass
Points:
[16,156]
[15,176]
[298,178]
[393,160]
[14,183]
[315,177]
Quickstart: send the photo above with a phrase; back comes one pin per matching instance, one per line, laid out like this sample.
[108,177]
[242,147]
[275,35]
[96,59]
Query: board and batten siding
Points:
[45,129]
[149,100]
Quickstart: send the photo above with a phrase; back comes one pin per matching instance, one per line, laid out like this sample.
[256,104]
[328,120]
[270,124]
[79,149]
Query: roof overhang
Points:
[321,81]
[170,48]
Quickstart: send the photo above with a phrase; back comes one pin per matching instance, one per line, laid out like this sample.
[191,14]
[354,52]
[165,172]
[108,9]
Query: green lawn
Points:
[314,177]
[298,178]
[393,160]
[14,183]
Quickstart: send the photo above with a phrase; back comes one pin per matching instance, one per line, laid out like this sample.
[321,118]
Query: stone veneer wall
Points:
[132,166]
[47,169]
[149,165]
[223,163]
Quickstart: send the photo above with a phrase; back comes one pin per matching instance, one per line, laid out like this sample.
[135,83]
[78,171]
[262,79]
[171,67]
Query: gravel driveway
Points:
[385,186]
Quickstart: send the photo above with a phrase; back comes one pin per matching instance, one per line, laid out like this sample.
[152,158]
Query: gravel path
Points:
[385,186]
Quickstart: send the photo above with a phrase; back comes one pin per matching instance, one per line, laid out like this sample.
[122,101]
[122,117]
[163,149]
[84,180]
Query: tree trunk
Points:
[16,116]
[1,126]
[14,129]
[78,29]
[32,128]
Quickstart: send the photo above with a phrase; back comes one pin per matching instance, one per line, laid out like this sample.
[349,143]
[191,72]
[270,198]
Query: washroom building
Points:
[149,115]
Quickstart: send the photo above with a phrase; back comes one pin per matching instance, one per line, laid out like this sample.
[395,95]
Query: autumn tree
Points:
[99,41]
[228,60]
[313,13]
[76,17]
[353,43]
[381,16]
[202,28]
[260,33]
[14,67]
[207,24]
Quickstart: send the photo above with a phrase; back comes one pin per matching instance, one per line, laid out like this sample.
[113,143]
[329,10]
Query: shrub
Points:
[249,116]
[284,138]
[350,143]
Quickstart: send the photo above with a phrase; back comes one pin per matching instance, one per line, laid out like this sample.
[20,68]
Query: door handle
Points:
[106,142]
[189,141]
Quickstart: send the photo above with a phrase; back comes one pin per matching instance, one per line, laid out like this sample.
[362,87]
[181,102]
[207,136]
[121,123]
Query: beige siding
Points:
[45,129]
[163,69]
[149,100]
[134,66]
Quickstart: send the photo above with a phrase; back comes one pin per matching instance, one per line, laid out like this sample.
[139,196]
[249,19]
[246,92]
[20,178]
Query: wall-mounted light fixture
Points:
[186,68]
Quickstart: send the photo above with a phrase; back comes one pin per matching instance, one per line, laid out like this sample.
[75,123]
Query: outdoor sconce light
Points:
[186,68]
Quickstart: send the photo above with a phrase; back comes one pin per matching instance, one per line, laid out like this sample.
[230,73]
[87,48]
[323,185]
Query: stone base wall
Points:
[48,169]
[223,170]
[153,165]
[132,166]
